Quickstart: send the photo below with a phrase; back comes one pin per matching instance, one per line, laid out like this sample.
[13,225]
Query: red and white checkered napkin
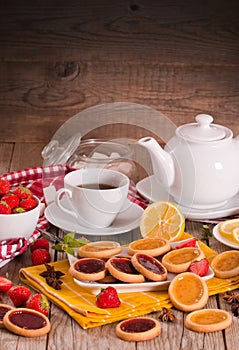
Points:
[36,179]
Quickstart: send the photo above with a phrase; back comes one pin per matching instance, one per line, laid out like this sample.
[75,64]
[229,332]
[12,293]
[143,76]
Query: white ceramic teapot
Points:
[199,166]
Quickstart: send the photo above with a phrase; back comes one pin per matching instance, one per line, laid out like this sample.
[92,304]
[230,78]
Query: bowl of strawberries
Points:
[19,211]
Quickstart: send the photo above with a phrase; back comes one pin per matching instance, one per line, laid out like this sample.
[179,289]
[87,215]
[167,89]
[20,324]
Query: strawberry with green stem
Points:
[108,298]
[39,303]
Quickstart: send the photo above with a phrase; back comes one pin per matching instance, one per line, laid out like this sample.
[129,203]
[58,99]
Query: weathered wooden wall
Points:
[60,57]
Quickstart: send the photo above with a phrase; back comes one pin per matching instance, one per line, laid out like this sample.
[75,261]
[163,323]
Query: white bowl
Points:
[19,225]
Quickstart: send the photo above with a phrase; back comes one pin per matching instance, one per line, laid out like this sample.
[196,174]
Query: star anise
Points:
[54,283]
[235,309]
[52,277]
[231,298]
[167,315]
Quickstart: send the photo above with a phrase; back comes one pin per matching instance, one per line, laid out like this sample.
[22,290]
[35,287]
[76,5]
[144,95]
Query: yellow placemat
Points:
[81,305]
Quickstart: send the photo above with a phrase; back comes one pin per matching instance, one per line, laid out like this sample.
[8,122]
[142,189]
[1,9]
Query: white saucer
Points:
[222,239]
[148,286]
[150,189]
[126,220]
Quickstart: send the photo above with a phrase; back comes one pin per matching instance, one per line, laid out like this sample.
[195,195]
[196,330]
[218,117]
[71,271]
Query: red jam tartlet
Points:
[149,267]
[26,322]
[123,270]
[88,269]
[138,329]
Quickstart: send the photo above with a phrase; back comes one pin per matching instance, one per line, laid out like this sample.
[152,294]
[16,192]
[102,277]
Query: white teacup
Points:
[95,196]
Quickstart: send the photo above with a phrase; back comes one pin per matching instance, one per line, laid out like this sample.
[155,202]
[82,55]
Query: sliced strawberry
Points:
[189,243]
[4,208]
[11,199]
[28,204]
[19,295]
[108,297]
[200,267]
[39,303]
[5,284]
[4,186]
[41,243]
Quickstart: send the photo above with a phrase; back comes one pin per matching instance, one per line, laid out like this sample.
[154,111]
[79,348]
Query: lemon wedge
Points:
[235,233]
[230,230]
[162,219]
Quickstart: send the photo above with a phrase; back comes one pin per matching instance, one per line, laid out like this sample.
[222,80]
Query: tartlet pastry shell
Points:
[123,276]
[95,276]
[186,291]
[138,336]
[183,265]
[146,272]
[9,307]
[164,247]
[219,261]
[208,327]
[25,332]
[99,249]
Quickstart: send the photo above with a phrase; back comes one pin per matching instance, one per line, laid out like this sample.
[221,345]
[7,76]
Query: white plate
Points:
[222,239]
[150,189]
[95,287]
[126,220]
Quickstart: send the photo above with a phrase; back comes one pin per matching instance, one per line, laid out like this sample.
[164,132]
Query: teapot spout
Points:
[162,161]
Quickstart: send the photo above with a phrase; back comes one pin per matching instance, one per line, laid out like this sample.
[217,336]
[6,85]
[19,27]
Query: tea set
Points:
[197,169]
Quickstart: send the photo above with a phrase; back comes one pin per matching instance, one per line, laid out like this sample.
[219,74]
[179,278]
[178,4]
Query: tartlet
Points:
[4,308]
[179,260]
[152,246]
[88,269]
[138,329]
[188,292]
[26,322]
[208,320]
[149,267]
[122,269]
[99,249]
[226,264]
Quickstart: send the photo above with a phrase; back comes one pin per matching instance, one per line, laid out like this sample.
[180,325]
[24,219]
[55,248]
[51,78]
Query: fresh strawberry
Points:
[41,243]
[4,208]
[4,186]
[22,192]
[39,303]
[40,256]
[28,204]
[200,267]
[5,284]
[19,295]
[190,243]
[11,199]
[108,297]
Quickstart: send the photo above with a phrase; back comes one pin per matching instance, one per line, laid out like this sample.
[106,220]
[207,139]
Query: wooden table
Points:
[67,334]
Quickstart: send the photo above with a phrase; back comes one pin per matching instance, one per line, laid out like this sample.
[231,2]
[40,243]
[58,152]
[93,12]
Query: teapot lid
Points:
[203,130]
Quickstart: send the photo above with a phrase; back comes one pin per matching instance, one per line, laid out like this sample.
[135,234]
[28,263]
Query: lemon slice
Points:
[227,228]
[162,219]
[226,264]
[208,320]
[188,292]
[235,233]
